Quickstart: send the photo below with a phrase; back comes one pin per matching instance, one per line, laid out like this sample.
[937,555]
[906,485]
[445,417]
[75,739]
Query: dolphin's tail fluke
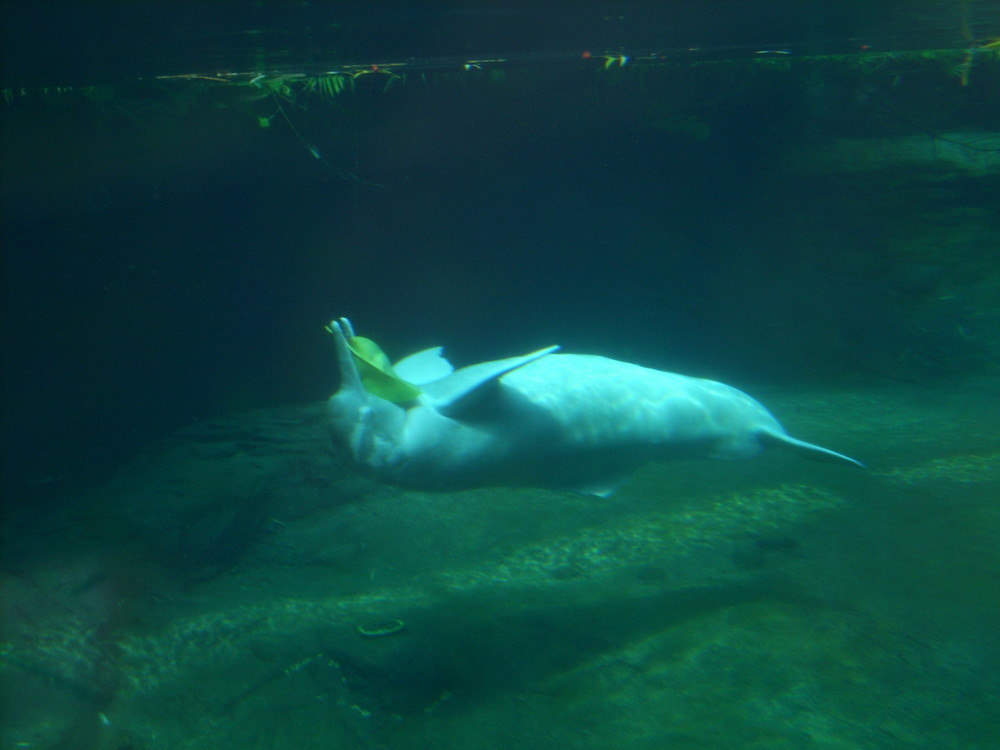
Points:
[815,452]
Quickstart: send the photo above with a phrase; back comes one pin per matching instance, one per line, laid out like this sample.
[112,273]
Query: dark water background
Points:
[798,198]
[167,259]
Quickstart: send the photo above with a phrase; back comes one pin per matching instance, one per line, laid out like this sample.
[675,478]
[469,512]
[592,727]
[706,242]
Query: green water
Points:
[775,603]
[801,203]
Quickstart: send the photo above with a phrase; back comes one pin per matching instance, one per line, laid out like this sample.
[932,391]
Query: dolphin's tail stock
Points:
[808,450]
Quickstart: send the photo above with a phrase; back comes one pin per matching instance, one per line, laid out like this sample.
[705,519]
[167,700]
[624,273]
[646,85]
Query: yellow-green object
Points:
[376,372]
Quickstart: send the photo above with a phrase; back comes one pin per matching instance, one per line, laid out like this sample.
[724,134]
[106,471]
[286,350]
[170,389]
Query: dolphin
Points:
[577,422]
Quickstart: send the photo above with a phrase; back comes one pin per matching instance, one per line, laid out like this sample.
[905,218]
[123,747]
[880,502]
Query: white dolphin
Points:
[568,421]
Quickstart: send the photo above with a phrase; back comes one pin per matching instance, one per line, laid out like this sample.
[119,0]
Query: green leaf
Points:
[377,375]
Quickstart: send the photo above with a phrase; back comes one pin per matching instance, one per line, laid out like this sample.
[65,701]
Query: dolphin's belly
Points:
[599,402]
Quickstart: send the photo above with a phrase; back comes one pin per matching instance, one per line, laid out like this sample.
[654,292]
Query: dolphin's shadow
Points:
[471,646]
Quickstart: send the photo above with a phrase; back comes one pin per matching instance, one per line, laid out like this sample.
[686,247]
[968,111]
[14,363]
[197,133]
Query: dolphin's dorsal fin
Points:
[457,395]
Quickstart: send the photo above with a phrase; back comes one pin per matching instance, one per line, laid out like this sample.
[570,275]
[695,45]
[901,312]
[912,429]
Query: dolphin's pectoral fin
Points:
[598,488]
[424,367]
[460,394]
[808,450]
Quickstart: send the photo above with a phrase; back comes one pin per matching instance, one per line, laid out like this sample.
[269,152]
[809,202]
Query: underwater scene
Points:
[501,375]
